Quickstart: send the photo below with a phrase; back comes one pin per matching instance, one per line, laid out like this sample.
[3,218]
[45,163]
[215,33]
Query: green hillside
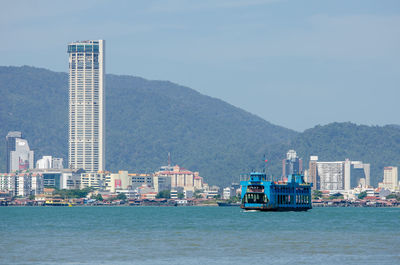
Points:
[147,119]
[377,145]
[144,121]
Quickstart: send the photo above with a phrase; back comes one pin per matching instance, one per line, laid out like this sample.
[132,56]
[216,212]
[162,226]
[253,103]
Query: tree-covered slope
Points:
[377,145]
[147,119]
[144,121]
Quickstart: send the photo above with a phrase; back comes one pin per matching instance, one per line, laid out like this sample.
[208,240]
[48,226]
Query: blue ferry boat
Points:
[260,194]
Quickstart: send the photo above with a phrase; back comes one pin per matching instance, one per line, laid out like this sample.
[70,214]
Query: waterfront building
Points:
[19,156]
[188,194]
[292,164]
[227,194]
[161,183]
[338,175]
[60,178]
[23,183]
[7,182]
[138,179]
[211,191]
[180,177]
[198,183]
[390,179]
[86,105]
[93,180]
[117,181]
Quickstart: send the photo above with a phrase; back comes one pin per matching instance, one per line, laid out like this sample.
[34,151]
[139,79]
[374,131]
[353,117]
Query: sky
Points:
[293,63]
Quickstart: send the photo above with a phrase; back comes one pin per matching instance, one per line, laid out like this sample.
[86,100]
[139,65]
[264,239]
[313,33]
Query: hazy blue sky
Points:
[293,63]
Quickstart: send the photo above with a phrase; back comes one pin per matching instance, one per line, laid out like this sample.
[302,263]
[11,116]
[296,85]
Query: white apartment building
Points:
[331,175]
[86,105]
[7,182]
[338,175]
[94,180]
[390,179]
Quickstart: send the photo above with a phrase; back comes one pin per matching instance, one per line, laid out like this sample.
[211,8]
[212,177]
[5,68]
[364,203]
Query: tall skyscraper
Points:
[86,105]
[10,146]
[312,171]
[292,164]
[22,157]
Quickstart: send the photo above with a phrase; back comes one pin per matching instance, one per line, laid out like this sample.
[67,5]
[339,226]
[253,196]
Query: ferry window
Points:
[255,198]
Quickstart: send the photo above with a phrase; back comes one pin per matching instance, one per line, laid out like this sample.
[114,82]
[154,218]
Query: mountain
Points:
[377,145]
[147,119]
[144,121]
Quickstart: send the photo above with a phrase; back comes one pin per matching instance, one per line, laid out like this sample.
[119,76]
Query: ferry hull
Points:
[271,209]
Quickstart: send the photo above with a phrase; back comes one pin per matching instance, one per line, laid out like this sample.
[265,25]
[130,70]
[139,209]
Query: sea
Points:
[198,235]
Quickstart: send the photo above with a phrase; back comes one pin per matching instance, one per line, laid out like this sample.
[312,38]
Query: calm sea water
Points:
[198,235]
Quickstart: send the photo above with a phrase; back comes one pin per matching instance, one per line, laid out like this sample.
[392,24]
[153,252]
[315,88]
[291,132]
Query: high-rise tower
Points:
[10,145]
[292,164]
[86,105]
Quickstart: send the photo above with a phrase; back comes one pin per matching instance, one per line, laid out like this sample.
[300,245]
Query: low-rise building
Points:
[21,183]
[94,180]
[181,177]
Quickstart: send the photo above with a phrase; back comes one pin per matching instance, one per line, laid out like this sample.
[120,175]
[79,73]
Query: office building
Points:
[10,146]
[338,175]
[21,158]
[180,177]
[49,162]
[292,164]
[45,162]
[93,180]
[312,172]
[330,175]
[390,179]
[86,105]
[22,183]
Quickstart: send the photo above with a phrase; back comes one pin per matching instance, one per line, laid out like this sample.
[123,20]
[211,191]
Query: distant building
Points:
[390,179]
[330,175]
[7,182]
[338,175]
[60,178]
[45,162]
[49,162]
[227,193]
[138,179]
[10,146]
[22,183]
[312,172]
[20,157]
[94,180]
[57,163]
[161,182]
[292,164]
[117,181]
[181,177]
